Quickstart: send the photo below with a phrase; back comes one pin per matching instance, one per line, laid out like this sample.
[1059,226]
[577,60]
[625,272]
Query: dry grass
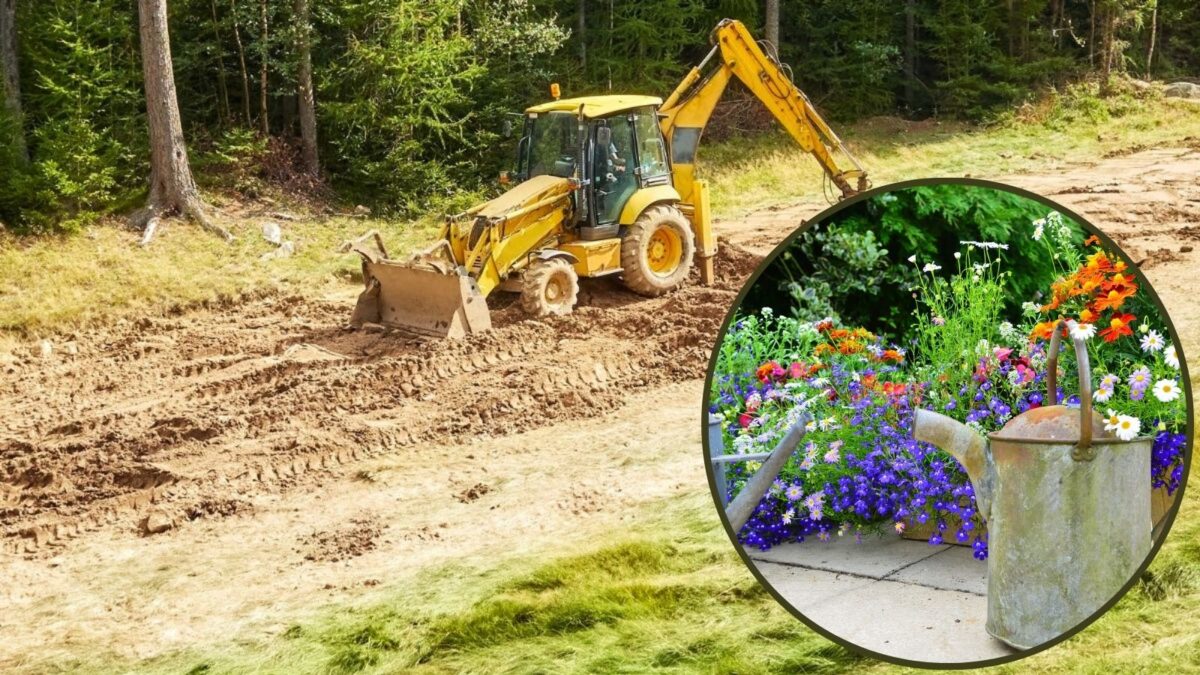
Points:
[769,171]
[54,284]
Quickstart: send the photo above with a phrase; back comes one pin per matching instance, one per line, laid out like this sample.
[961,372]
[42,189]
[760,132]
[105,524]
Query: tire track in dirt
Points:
[171,413]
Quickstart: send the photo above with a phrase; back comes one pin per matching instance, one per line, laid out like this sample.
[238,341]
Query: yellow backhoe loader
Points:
[604,185]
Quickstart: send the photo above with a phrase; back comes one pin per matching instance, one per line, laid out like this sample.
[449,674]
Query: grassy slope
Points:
[54,284]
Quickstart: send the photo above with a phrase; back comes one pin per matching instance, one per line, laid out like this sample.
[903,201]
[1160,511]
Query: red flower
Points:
[744,419]
[1118,326]
[768,370]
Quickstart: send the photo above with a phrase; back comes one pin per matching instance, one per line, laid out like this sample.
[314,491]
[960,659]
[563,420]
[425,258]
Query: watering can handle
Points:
[1085,381]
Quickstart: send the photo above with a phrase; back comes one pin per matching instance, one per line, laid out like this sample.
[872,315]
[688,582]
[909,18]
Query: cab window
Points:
[652,155]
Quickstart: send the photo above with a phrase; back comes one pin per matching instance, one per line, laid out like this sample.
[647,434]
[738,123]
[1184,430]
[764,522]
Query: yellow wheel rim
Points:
[664,251]
[556,289]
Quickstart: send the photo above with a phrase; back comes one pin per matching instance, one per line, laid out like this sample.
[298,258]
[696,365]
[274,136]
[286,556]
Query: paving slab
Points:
[812,587]
[874,557]
[890,595]
[908,621]
[954,569]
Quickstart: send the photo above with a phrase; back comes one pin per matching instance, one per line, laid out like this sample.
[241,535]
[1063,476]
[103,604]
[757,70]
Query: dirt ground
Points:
[215,474]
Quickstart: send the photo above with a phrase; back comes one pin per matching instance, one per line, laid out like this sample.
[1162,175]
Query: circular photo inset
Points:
[949,423]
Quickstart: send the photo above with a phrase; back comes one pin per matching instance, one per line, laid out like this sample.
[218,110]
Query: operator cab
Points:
[611,145]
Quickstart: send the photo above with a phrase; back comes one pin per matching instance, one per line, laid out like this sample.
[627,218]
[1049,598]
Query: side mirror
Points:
[603,137]
[508,129]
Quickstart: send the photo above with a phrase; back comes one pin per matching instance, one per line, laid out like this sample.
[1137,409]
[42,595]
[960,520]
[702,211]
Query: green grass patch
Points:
[668,595]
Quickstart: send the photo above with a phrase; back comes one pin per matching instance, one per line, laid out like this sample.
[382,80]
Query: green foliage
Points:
[957,322]
[831,269]
[755,338]
[403,99]
[83,100]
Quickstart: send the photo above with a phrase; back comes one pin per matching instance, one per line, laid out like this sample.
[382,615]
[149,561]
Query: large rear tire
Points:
[549,287]
[657,251]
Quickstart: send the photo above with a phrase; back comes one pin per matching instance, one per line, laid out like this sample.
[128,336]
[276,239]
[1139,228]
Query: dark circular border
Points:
[774,254]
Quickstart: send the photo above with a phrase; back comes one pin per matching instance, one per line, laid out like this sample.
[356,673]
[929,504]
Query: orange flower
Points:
[1042,331]
[1118,326]
[1098,262]
[839,334]
[891,355]
[1119,266]
[1119,281]
[868,381]
[1114,298]
[1087,316]
[864,334]
[850,347]
[1091,240]
[823,349]
[824,325]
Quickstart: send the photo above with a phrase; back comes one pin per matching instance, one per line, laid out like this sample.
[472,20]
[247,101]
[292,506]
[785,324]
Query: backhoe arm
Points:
[687,110]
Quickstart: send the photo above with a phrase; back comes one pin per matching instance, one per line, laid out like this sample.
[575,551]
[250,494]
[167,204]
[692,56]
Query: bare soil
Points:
[288,463]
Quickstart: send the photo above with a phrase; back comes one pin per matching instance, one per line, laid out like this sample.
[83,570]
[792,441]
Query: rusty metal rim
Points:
[994,435]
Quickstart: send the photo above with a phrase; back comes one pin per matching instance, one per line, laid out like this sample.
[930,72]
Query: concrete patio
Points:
[893,596]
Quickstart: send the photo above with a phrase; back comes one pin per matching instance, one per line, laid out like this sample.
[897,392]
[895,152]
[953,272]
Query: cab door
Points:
[614,167]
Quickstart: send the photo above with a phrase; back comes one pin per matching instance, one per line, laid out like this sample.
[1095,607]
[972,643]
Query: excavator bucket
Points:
[420,296]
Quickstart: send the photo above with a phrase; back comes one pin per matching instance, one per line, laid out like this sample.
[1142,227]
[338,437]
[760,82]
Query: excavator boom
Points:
[688,109]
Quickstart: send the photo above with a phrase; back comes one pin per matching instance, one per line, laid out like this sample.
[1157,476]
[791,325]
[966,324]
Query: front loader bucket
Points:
[421,300]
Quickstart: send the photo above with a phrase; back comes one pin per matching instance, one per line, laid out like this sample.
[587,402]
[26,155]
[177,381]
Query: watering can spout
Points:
[966,445]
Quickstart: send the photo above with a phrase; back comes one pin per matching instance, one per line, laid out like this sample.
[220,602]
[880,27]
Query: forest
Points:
[399,104]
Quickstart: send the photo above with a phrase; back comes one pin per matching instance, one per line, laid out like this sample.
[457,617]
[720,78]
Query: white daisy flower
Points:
[1111,420]
[913,258]
[1102,395]
[1109,381]
[931,267]
[1082,331]
[788,516]
[1127,427]
[1171,357]
[1152,341]
[958,255]
[1166,390]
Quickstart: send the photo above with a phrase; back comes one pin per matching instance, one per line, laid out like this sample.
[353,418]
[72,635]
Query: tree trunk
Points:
[771,30]
[264,121]
[241,50]
[10,74]
[581,23]
[304,91]
[1153,36]
[223,111]
[1092,9]
[172,187]
[910,53]
[1107,21]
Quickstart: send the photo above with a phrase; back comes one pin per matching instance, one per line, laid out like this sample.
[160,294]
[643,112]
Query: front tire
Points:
[549,287]
[657,251]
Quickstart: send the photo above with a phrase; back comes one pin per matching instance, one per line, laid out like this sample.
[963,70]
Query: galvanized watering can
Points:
[1067,506]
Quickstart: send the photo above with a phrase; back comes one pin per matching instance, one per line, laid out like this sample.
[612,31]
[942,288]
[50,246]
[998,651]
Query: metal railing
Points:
[742,507]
